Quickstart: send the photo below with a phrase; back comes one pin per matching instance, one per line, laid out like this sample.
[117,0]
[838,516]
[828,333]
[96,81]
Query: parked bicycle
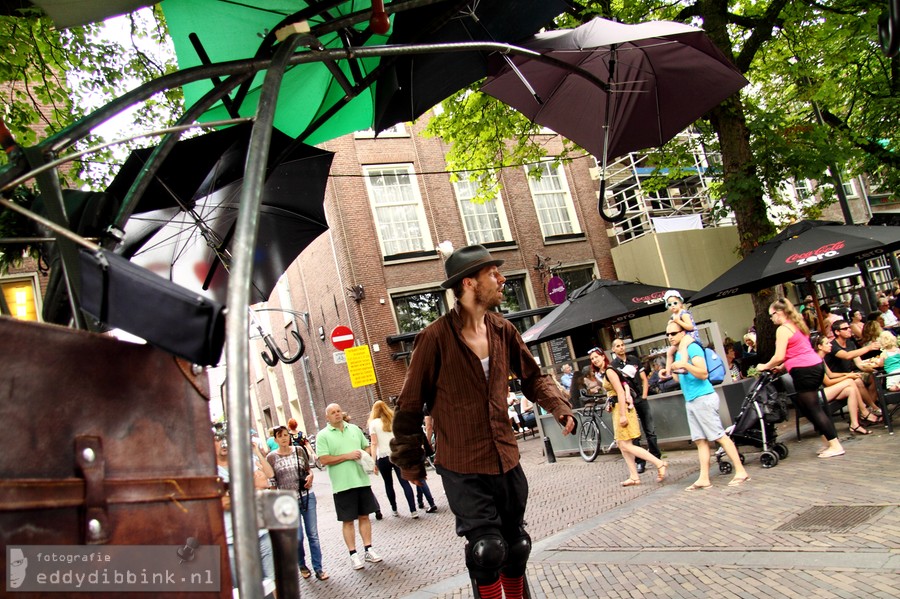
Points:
[591,423]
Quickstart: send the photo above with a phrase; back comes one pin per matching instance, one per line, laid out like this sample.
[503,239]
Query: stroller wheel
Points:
[782,450]
[768,459]
[742,457]
[725,467]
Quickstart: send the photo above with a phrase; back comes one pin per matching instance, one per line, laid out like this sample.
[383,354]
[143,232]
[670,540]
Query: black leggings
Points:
[807,381]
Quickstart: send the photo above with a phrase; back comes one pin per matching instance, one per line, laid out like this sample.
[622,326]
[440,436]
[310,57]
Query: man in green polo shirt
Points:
[340,446]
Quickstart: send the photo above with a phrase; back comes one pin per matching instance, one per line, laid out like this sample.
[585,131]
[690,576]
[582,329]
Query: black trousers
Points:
[642,407]
[487,505]
[486,501]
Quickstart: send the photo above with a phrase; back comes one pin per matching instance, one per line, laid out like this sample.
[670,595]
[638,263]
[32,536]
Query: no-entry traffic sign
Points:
[342,338]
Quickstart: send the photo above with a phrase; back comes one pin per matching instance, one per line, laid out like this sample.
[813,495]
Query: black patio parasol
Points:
[802,249]
[602,301]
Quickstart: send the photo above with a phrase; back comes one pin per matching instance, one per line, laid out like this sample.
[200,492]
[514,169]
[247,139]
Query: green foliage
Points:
[51,78]
[12,225]
[486,135]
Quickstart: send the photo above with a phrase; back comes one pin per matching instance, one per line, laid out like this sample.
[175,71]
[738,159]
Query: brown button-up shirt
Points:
[471,421]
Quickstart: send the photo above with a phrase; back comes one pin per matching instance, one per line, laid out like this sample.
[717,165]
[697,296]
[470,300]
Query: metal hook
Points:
[274,354]
[277,355]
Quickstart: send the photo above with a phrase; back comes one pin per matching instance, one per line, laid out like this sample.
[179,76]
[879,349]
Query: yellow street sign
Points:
[359,364]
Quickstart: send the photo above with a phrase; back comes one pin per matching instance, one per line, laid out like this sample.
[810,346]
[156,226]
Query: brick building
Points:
[390,203]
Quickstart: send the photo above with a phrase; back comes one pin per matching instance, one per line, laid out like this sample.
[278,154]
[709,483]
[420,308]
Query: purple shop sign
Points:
[557,290]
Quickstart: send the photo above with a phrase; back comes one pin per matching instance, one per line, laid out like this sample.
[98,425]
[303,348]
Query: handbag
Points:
[124,295]
[367,462]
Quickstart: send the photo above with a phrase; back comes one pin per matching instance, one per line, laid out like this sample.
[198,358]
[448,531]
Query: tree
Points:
[49,78]
[767,132]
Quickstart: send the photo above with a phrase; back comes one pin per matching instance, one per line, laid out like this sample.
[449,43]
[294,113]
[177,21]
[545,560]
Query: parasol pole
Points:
[601,199]
[816,304]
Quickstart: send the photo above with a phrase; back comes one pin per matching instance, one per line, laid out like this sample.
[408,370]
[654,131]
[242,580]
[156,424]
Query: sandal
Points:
[737,482]
[696,487]
[878,419]
[832,453]
[631,482]
[322,575]
[304,572]
[860,430]
[661,472]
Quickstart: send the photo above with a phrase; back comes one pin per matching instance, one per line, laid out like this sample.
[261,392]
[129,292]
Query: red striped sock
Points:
[512,586]
[491,591]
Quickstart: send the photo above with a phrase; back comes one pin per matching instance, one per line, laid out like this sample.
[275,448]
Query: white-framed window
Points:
[484,222]
[398,130]
[397,208]
[803,189]
[552,200]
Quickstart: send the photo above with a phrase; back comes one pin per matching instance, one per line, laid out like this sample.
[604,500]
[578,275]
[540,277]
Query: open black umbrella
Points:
[191,245]
[804,248]
[602,301]
[661,76]
[413,84]
[190,163]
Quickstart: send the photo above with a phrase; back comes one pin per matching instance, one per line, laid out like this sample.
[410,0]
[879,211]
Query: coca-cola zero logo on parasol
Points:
[829,250]
[653,298]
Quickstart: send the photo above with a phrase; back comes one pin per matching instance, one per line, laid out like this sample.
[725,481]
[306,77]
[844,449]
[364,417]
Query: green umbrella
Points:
[231,31]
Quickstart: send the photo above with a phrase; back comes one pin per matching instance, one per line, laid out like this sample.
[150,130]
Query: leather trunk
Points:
[145,417]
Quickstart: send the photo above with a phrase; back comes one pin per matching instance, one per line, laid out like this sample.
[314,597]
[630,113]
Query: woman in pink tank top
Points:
[793,350]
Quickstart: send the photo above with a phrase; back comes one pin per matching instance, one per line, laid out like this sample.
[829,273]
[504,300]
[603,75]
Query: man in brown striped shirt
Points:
[460,367]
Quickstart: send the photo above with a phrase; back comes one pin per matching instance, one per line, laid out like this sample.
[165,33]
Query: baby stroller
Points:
[762,408]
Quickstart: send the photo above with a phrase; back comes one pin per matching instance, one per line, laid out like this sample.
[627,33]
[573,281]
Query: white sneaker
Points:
[414,514]
[357,561]
[396,514]
[371,556]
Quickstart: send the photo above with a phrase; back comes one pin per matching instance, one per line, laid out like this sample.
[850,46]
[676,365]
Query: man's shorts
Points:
[353,503]
[703,418]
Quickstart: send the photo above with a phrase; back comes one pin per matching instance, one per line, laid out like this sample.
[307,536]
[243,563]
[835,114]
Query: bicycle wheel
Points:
[589,440]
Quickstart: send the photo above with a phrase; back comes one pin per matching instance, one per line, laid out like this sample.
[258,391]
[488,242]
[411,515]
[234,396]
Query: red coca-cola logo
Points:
[649,299]
[829,247]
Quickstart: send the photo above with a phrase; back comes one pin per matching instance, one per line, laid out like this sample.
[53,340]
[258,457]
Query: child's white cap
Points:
[672,293]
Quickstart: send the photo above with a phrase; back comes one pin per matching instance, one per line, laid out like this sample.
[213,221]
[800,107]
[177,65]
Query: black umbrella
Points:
[192,247]
[413,84]
[804,248]
[602,301]
[190,163]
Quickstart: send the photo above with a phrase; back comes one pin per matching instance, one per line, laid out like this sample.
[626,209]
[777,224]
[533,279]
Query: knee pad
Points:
[485,556]
[518,551]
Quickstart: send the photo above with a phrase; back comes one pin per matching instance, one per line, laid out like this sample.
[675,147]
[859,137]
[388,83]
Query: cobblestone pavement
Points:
[594,538]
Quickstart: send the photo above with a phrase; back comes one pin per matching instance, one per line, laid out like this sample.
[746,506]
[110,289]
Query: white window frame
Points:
[462,189]
[568,205]
[427,244]
[398,130]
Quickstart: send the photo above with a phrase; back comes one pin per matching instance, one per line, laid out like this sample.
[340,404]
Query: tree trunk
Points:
[743,189]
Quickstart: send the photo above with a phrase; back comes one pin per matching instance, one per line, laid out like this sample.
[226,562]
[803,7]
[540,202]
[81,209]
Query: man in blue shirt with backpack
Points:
[686,361]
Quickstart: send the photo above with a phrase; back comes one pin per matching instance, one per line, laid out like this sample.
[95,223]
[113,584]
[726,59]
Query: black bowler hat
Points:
[466,262]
